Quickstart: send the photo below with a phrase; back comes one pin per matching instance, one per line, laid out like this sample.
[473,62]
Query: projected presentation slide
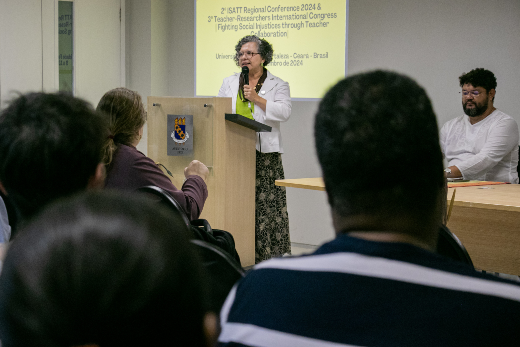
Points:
[309,41]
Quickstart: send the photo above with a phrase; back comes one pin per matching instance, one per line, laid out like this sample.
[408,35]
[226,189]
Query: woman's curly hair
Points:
[264,48]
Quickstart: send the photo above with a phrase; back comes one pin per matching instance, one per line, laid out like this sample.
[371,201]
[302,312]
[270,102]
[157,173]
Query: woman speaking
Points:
[259,95]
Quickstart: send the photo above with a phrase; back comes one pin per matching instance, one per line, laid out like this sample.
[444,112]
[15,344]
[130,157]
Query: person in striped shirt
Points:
[379,282]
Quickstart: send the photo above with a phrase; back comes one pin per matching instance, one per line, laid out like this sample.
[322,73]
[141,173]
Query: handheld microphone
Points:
[245,71]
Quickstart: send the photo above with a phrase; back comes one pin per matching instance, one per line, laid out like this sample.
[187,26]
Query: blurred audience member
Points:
[104,269]
[50,145]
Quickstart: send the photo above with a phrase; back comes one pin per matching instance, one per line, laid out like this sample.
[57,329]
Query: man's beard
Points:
[477,110]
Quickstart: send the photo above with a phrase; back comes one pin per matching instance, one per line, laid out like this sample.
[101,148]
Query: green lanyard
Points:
[243,107]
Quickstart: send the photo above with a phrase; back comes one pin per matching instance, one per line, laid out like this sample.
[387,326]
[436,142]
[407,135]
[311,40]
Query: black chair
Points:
[164,198]
[450,246]
[221,268]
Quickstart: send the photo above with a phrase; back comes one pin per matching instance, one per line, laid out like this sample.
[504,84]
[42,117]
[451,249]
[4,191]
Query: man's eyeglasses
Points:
[246,54]
[473,93]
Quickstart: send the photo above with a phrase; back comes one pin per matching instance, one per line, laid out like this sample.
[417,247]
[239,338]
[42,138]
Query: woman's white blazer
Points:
[278,108]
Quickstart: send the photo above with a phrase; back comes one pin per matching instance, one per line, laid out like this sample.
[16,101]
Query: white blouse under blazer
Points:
[277,109]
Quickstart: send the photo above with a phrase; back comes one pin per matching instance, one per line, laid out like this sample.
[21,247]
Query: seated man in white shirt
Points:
[483,143]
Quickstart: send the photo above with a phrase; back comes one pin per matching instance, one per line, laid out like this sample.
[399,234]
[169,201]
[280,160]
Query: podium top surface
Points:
[248,123]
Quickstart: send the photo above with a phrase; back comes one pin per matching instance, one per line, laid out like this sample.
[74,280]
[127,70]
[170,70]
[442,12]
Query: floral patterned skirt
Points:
[271,219]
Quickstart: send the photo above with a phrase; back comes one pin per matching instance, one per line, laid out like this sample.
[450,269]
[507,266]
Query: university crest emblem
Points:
[180,135]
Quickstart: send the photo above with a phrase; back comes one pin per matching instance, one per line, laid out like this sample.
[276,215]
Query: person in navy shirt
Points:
[379,282]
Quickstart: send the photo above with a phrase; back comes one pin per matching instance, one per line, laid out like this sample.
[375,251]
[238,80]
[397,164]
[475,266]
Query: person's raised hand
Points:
[250,93]
[196,168]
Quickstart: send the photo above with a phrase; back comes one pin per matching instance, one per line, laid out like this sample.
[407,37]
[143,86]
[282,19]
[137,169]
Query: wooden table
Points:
[315,183]
[487,221]
[485,218]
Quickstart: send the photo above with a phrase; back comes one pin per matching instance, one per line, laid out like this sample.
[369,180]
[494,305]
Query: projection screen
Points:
[309,41]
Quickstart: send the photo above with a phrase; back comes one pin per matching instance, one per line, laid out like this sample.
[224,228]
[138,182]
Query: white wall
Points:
[139,53]
[49,36]
[21,47]
[29,41]
[436,41]
[160,47]
[97,48]
[148,51]
[431,41]
[138,46]
[182,58]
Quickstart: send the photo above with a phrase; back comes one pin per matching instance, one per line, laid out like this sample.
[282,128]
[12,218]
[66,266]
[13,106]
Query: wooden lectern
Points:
[227,147]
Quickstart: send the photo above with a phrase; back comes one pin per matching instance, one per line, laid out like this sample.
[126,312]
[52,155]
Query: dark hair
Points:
[479,77]
[125,114]
[50,146]
[264,48]
[378,145]
[102,268]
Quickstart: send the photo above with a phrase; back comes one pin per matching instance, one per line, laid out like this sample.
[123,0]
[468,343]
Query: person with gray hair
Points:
[257,94]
